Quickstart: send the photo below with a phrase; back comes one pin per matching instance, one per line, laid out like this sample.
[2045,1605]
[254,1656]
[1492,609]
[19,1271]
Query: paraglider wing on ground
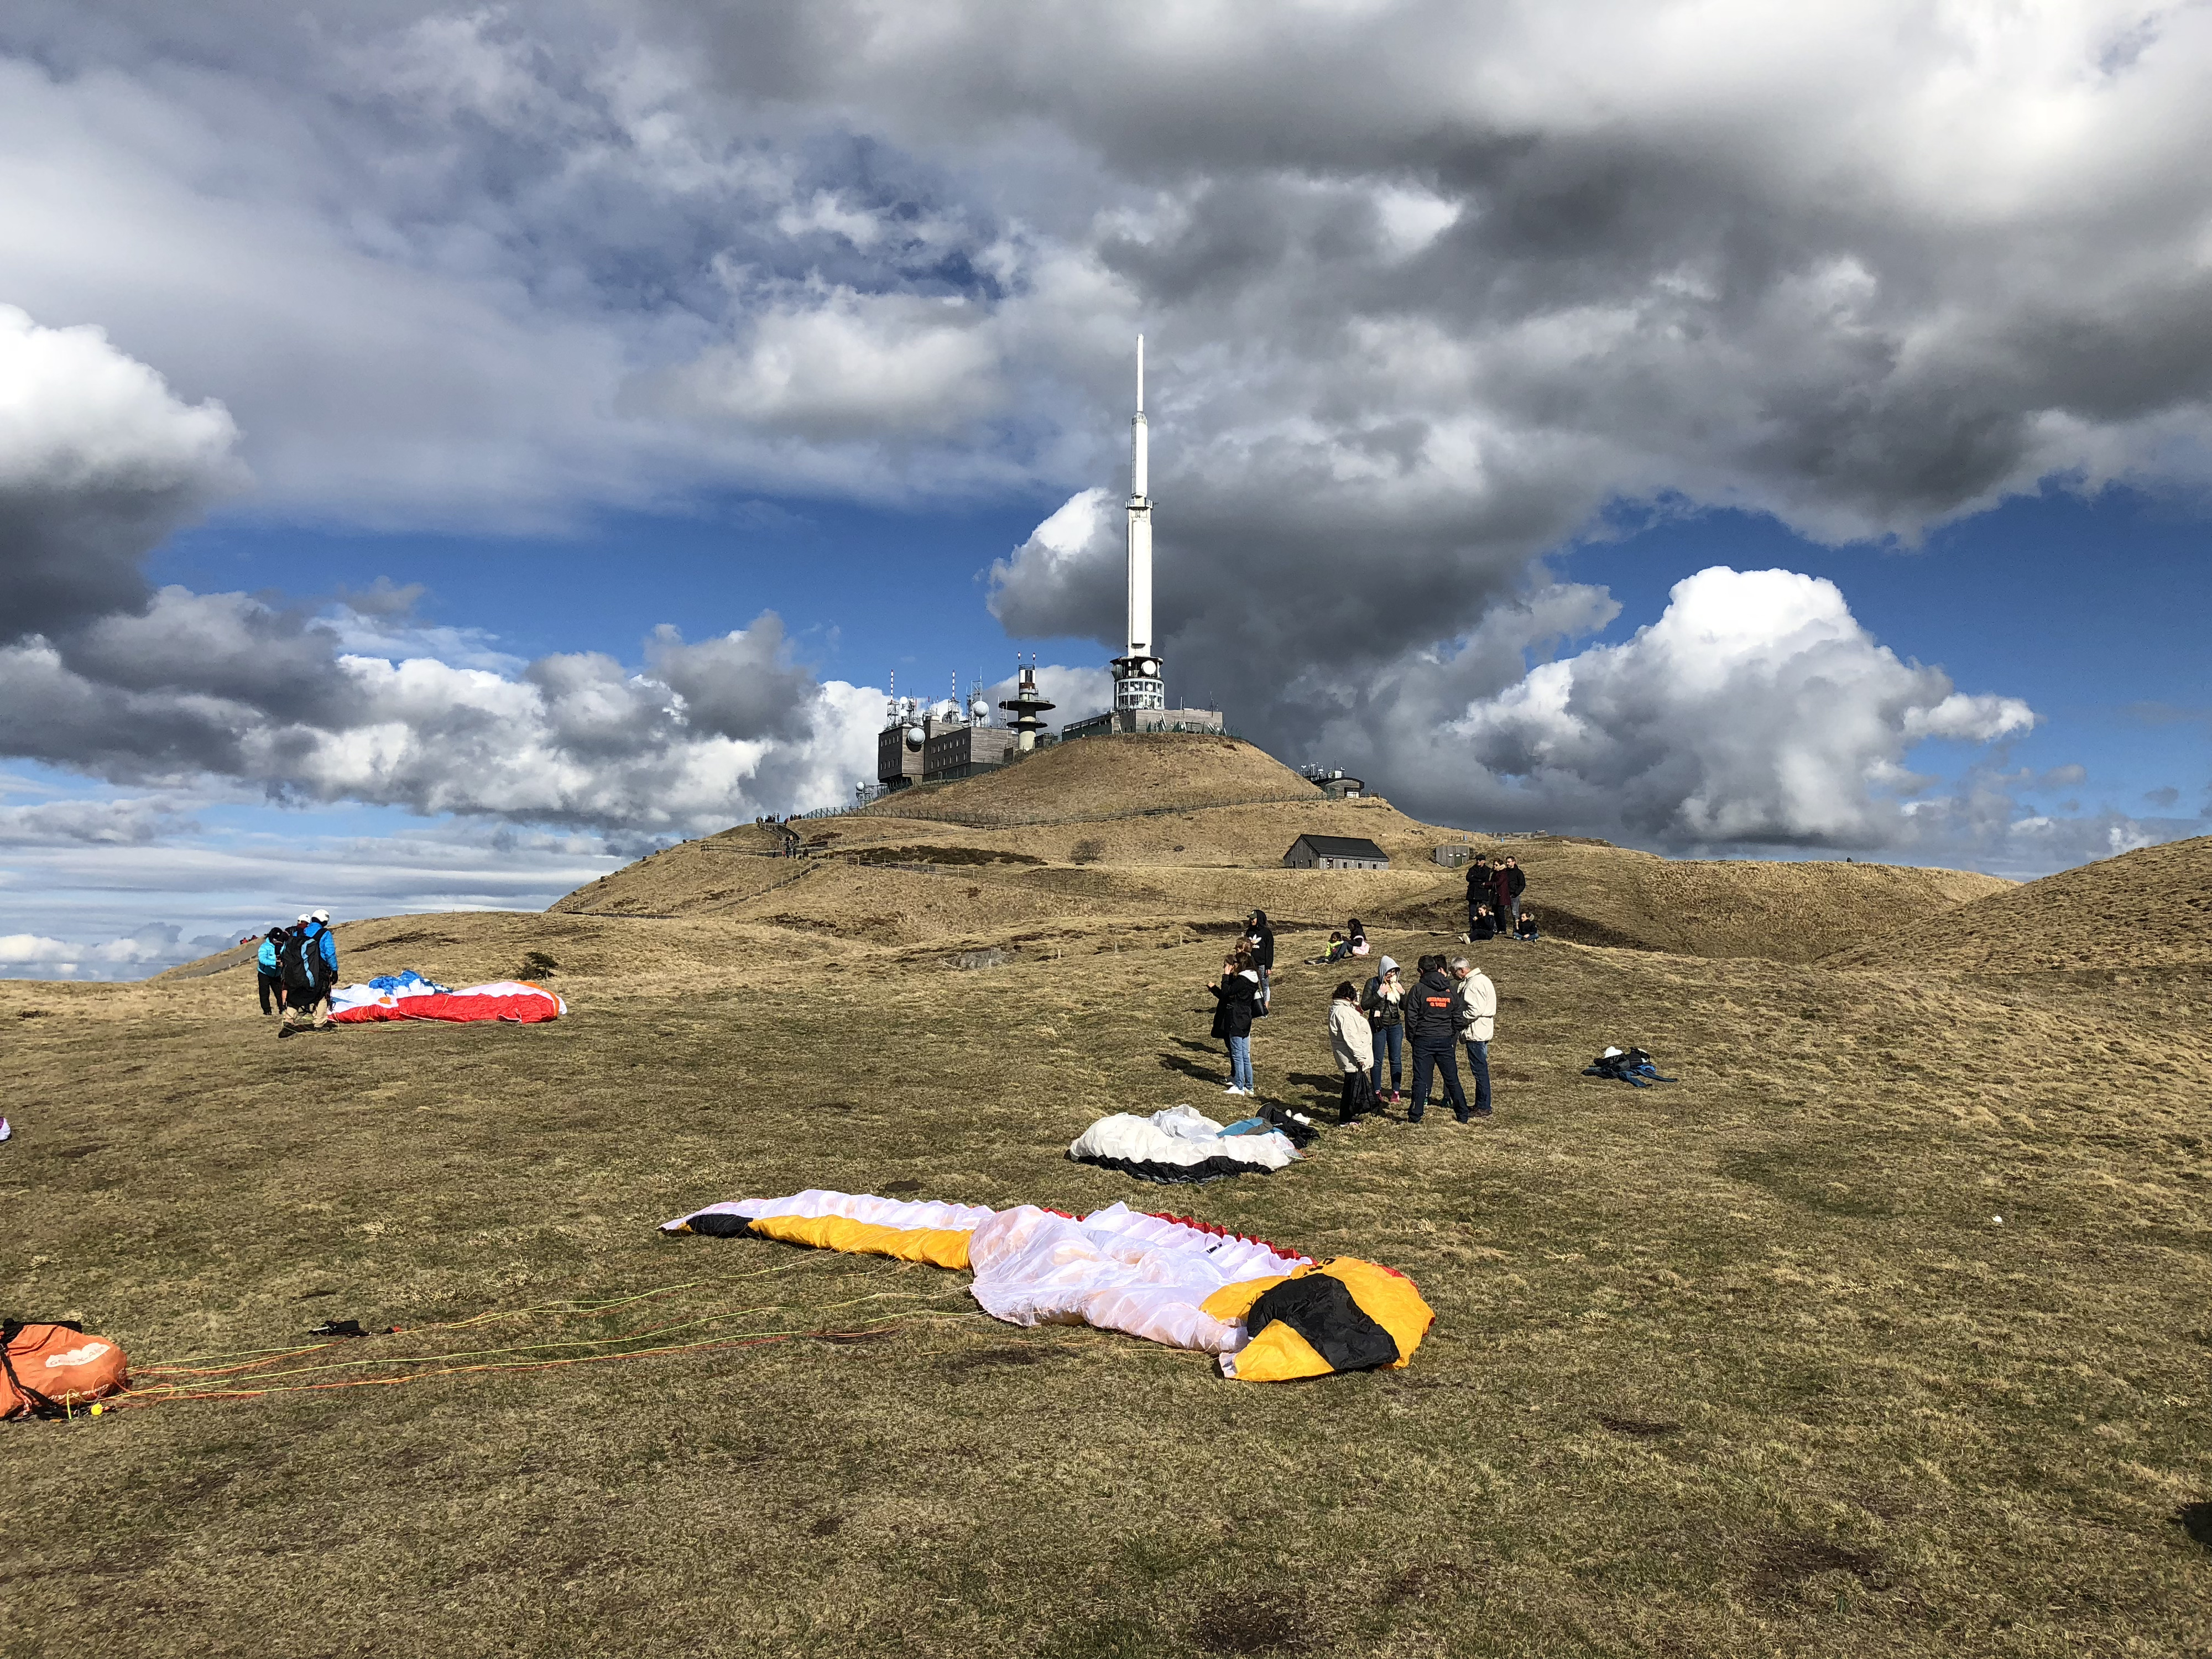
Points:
[516,1001]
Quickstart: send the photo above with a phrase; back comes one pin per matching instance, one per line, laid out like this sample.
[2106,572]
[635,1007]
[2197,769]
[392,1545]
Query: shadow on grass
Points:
[1191,1068]
[2195,1520]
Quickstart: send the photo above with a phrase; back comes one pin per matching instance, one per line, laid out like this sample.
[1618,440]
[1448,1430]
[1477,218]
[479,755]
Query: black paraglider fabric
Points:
[1300,1131]
[722,1227]
[1321,1310]
[1170,1174]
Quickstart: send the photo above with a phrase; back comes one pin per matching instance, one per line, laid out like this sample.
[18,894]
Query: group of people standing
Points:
[296,968]
[1494,909]
[1450,1003]
[1450,1006]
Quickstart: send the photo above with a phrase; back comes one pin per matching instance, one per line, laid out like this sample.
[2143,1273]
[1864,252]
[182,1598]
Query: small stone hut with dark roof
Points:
[1336,852]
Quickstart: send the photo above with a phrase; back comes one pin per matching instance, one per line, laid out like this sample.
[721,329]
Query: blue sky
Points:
[446,452]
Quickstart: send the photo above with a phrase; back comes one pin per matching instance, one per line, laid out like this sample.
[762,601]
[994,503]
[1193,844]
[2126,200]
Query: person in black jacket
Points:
[1262,937]
[1434,1014]
[1234,998]
[1515,883]
[1478,888]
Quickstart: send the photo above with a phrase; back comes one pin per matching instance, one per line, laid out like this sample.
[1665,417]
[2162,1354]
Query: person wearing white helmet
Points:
[318,964]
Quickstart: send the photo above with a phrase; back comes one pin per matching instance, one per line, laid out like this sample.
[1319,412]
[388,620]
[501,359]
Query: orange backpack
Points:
[48,1369]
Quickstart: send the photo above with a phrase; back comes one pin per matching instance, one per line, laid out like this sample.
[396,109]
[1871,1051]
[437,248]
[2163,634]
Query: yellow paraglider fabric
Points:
[939,1247]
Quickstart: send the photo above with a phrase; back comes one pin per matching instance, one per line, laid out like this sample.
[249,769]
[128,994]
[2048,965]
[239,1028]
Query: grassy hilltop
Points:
[1746,1365]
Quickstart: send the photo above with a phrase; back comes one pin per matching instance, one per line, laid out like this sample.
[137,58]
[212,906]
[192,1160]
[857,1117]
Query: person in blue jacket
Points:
[322,949]
[269,981]
[318,953]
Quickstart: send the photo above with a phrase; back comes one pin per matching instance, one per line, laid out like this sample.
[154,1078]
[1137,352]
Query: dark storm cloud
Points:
[98,461]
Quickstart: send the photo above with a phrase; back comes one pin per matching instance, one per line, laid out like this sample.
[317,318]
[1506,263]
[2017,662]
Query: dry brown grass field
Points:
[1747,1365]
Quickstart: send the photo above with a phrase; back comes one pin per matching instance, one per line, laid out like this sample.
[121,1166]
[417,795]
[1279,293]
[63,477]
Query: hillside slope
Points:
[1108,776]
[2151,908]
[1122,827]
[1595,894]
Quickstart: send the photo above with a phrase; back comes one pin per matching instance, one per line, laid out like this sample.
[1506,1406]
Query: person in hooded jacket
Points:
[1262,937]
[267,977]
[1234,1001]
[1383,1002]
[1434,1014]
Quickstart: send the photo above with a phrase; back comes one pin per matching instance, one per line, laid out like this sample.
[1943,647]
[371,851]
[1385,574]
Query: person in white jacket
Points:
[1478,1025]
[1353,1041]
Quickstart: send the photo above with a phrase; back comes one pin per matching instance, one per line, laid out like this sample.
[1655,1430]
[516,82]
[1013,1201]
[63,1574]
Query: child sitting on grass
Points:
[1339,948]
[1526,928]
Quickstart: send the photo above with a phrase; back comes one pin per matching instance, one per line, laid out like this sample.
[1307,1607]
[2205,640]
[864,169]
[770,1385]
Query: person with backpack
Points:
[308,961]
[1434,1015]
[1478,1024]
[1236,999]
[267,980]
[1383,1002]
[1351,1042]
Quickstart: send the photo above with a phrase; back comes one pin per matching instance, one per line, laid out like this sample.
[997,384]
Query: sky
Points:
[447,451]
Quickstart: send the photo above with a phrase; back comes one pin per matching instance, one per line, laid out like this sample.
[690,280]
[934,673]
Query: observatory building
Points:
[1140,691]
[936,742]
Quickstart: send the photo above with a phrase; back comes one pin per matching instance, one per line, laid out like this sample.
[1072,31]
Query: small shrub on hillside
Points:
[536,964]
[1088,851]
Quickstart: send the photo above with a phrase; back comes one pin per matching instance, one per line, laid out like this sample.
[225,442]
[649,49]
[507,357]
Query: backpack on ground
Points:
[49,1368]
[1635,1068]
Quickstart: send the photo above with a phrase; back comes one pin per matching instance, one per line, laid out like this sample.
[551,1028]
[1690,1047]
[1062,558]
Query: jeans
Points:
[1392,1038]
[1478,1066]
[1441,1057]
[1266,985]
[1240,1061]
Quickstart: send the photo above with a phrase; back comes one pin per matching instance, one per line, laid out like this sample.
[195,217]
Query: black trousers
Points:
[1358,1096]
[272,990]
[1434,1056]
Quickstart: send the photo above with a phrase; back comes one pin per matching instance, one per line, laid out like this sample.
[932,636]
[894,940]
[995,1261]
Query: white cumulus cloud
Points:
[1755,710]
